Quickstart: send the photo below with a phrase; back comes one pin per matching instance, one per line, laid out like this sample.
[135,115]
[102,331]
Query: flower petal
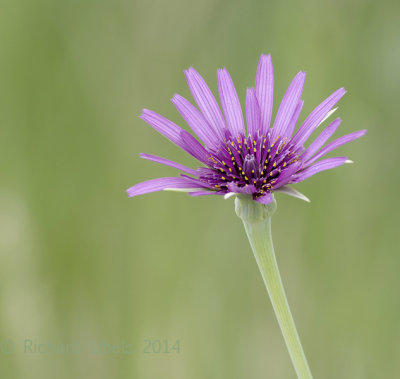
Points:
[194,147]
[265,199]
[265,90]
[167,162]
[286,175]
[248,189]
[335,144]
[316,117]
[174,133]
[253,116]
[158,184]
[230,103]
[326,164]
[196,121]
[321,139]
[294,119]
[292,192]
[288,105]
[206,101]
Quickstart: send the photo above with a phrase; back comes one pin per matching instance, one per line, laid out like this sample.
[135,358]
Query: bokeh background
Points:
[82,265]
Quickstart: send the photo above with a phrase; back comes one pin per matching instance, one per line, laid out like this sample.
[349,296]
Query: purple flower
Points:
[265,158]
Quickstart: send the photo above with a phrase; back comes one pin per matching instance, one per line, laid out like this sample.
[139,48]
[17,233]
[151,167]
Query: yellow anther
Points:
[255,150]
[284,164]
[274,165]
[265,180]
[223,162]
[252,171]
[270,174]
[230,170]
[223,178]
[246,178]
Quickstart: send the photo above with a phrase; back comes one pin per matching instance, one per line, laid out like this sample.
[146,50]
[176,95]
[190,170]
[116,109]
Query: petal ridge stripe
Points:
[158,184]
[167,162]
[230,103]
[264,87]
[196,121]
[288,105]
[316,116]
[206,101]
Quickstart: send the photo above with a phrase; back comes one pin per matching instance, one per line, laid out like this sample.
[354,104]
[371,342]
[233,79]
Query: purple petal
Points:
[249,189]
[196,121]
[293,121]
[326,164]
[230,103]
[253,117]
[158,185]
[321,139]
[288,105]
[167,162]
[194,147]
[206,101]
[316,116]
[336,143]
[265,90]
[265,199]
[287,174]
[174,133]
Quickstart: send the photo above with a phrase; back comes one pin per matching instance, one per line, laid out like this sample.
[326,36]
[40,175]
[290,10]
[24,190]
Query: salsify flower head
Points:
[258,160]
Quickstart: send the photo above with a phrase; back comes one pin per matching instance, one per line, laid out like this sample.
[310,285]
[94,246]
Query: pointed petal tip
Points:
[189,71]
[144,113]
[265,57]
[175,96]
[130,192]
[348,161]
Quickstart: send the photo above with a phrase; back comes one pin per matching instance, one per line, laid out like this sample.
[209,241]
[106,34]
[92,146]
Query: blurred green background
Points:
[82,264]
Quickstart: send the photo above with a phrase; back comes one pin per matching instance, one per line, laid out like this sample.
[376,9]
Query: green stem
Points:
[256,219]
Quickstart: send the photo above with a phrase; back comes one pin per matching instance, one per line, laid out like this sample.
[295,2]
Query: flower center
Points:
[250,166]
[249,161]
